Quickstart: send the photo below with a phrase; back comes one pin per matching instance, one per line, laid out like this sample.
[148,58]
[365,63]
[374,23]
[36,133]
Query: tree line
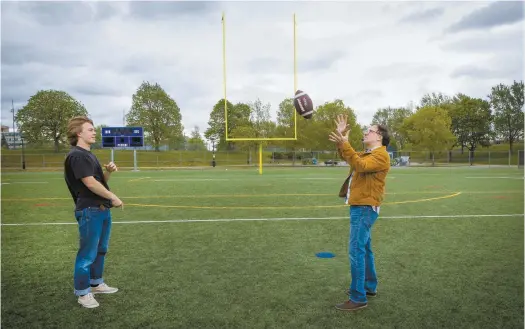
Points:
[438,122]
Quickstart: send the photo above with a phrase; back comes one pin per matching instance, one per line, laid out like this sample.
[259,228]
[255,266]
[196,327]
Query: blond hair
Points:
[74,127]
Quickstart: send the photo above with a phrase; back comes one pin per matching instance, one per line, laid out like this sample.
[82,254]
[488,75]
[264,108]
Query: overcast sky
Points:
[370,55]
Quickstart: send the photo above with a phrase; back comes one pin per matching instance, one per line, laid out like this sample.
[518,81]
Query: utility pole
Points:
[13,110]
[123,117]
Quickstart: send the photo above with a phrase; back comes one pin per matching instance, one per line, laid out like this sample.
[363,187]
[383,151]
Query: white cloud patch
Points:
[370,55]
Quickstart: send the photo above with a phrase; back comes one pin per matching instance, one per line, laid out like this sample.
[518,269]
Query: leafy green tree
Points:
[195,141]
[324,118]
[46,115]
[98,129]
[153,109]
[286,126]
[434,99]
[507,102]
[471,120]
[393,119]
[429,129]
[259,125]
[238,115]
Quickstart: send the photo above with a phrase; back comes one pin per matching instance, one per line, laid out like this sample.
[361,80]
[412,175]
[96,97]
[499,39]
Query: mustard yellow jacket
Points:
[368,171]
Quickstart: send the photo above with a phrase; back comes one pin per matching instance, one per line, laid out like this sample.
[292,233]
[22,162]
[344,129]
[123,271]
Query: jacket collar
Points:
[370,150]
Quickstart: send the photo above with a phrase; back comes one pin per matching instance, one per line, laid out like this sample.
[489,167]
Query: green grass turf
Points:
[459,271]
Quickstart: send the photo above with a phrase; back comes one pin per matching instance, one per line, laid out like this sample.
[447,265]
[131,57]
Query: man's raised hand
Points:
[341,124]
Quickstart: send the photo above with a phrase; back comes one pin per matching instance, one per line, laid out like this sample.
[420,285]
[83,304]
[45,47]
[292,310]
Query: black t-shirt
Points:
[82,163]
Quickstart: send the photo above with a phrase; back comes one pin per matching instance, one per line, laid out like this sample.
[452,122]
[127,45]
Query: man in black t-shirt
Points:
[88,186]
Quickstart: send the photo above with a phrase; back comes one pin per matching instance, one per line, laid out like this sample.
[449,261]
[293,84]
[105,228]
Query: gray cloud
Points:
[94,90]
[497,67]
[57,13]
[401,70]
[496,14]
[170,9]
[504,41]
[322,61]
[105,10]
[474,71]
[423,16]
[18,53]
[317,62]
[370,94]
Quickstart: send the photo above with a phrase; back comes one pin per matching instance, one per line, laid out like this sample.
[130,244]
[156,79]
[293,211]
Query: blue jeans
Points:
[362,266]
[94,227]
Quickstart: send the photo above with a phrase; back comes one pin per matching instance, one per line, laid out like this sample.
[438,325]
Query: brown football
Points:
[303,104]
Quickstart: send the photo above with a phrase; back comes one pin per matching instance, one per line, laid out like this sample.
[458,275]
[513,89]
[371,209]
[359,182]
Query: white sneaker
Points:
[103,289]
[88,301]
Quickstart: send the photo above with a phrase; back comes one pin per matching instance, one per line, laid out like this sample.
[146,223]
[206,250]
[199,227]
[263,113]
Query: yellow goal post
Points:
[260,139]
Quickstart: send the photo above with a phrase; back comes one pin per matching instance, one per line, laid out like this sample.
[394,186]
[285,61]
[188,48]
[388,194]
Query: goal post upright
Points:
[260,139]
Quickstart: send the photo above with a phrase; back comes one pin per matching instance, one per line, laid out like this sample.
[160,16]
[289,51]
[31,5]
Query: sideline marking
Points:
[493,177]
[137,179]
[280,207]
[263,195]
[266,219]
[192,180]
[23,182]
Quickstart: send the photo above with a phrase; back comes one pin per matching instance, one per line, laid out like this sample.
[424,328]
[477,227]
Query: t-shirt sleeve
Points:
[82,167]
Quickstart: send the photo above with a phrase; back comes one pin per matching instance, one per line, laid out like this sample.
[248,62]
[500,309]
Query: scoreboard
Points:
[122,137]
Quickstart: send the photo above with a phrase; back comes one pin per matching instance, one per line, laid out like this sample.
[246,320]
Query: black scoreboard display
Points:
[122,137]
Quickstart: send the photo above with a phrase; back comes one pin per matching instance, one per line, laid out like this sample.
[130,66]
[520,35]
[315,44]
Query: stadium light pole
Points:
[23,153]
[213,162]
[13,111]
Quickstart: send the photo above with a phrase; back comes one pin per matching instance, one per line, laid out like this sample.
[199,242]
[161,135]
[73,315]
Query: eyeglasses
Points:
[366,131]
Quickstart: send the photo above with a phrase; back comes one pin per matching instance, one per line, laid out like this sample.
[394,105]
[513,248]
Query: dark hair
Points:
[383,131]
[74,127]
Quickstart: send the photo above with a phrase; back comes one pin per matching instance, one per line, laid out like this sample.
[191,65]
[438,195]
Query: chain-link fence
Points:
[34,159]
[457,158]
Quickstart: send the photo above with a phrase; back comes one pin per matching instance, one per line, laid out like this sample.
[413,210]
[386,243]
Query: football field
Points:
[217,248]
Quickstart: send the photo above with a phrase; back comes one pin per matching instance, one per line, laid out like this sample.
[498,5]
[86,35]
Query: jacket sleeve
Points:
[375,162]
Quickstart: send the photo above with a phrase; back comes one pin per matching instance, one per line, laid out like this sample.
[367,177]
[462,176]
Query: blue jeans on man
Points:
[94,227]
[362,264]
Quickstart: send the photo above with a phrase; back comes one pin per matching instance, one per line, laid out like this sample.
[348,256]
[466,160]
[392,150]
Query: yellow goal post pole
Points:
[223,21]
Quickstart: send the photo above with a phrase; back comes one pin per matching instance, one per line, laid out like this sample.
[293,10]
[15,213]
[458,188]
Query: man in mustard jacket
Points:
[363,190]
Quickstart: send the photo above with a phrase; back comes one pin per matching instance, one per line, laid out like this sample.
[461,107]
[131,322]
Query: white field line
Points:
[266,219]
[495,177]
[24,182]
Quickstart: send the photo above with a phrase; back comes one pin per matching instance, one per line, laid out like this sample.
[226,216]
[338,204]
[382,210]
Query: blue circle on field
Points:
[325,255]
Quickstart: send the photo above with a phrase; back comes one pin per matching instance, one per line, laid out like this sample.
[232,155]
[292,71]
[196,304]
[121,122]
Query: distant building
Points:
[11,140]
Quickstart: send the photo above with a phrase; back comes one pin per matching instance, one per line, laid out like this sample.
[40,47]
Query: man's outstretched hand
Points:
[338,137]
[341,124]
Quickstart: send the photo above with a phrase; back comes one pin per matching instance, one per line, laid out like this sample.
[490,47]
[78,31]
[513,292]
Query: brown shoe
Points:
[350,306]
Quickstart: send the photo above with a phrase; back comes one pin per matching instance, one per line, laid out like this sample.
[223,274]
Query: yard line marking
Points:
[266,219]
[330,178]
[263,195]
[22,182]
[137,179]
[488,177]
[283,207]
[190,179]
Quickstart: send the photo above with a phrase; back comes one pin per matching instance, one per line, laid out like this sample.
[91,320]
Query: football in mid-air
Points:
[303,104]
